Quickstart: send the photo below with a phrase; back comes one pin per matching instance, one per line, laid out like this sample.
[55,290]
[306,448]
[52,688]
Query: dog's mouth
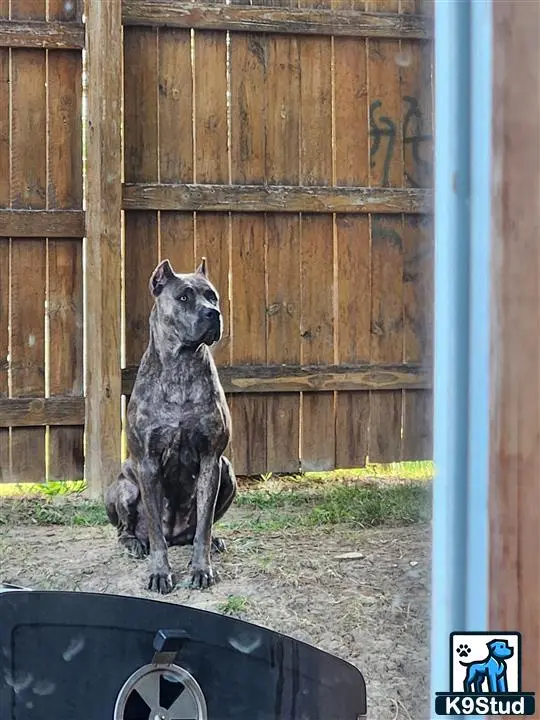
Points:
[212,335]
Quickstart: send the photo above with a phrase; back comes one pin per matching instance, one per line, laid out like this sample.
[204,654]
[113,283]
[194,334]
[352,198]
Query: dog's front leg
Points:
[202,575]
[160,579]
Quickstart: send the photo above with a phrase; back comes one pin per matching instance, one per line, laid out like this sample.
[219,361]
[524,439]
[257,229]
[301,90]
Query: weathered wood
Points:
[28,259]
[140,105]
[301,378]
[353,247]
[514,489]
[211,132]
[353,333]
[275,198]
[39,34]
[282,336]
[248,302]
[141,257]
[103,255]
[317,318]
[249,338]
[175,106]
[65,256]
[297,21]
[41,223]
[282,147]
[36,412]
[386,334]
[212,241]
[5,250]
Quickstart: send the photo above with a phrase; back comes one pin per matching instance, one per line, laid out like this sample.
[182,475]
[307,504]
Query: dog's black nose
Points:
[211,314]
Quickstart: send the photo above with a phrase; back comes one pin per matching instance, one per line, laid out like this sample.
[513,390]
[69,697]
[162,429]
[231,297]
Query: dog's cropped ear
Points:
[202,267]
[160,277]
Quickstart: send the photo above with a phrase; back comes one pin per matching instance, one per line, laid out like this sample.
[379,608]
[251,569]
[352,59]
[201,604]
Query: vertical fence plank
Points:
[384,113]
[103,254]
[212,230]
[282,165]
[249,339]
[248,125]
[351,111]
[248,107]
[211,135]
[354,312]
[65,308]
[317,248]
[416,98]
[28,352]
[418,334]
[211,160]
[28,262]
[283,338]
[141,257]
[5,469]
[386,169]
[353,245]
[212,242]
[65,270]
[140,165]
[386,333]
[140,105]
[177,240]
[175,87]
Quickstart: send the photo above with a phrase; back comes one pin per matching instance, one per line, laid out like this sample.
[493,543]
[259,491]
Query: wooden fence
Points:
[41,232]
[290,143]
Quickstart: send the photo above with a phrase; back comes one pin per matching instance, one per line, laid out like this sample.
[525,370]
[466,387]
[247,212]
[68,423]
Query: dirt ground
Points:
[370,607]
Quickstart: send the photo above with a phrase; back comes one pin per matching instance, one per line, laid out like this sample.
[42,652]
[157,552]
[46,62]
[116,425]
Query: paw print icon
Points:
[463,651]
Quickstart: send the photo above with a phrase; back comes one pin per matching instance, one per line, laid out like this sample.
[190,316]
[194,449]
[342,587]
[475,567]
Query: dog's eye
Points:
[183,298]
[211,296]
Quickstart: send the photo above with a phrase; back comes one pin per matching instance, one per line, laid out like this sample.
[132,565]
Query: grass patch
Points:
[358,505]
[397,494]
[51,488]
[233,605]
[52,511]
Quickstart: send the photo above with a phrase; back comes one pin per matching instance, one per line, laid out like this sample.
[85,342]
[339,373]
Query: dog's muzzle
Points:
[212,319]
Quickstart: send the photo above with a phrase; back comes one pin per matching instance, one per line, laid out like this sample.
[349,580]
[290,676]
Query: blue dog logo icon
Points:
[493,669]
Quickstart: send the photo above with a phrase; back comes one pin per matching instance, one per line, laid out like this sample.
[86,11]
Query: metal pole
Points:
[461,367]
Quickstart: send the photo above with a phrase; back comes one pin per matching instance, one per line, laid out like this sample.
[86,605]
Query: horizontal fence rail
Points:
[295,21]
[275,198]
[39,34]
[295,378]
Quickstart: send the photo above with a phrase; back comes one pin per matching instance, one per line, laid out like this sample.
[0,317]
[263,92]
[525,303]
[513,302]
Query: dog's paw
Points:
[463,651]
[202,578]
[161,582]
[218,545]
[134,547]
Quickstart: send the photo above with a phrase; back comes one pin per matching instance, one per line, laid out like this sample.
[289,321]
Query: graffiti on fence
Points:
[383,128]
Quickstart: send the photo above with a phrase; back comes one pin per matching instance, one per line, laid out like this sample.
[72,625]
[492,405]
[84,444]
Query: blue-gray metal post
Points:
[461,366]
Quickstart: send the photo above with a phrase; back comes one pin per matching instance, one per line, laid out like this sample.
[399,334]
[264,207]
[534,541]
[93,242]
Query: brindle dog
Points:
[176,481]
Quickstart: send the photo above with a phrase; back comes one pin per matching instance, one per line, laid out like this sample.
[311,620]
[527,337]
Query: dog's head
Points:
[500,649]
[187,305]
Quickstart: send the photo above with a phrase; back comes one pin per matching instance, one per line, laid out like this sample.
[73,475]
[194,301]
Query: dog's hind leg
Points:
[123,507]
[226,495]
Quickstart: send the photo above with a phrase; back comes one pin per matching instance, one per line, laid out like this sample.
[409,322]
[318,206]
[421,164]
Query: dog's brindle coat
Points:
[176,482]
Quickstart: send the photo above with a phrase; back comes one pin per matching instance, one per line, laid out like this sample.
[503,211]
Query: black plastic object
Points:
[66,656]
[169,641]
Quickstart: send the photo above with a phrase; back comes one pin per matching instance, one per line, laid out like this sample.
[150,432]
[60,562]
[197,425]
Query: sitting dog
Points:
[493,668]
[176,481]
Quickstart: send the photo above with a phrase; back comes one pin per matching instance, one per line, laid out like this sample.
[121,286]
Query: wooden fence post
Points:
[103,246]
[515,329]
